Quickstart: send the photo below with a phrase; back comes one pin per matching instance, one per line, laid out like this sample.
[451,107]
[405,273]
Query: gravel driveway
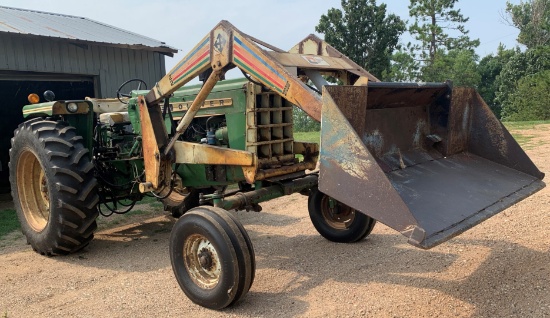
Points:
[500,268]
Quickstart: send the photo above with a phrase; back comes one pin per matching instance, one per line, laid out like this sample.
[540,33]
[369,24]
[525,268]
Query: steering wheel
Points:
[119,94]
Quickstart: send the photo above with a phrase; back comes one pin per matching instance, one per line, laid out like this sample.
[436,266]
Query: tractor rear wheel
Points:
[212,257]
[53,187]
[336,221]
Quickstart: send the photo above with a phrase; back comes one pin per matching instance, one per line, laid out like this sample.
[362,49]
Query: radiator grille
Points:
[269,127]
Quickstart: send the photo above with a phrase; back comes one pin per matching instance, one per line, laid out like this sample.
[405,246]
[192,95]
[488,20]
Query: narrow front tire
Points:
[212,257]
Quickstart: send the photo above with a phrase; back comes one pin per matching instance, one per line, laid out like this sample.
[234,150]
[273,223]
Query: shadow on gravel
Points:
[501,286]
[264,304]
[495,287]
[266,218]
[129,245]
[149,238]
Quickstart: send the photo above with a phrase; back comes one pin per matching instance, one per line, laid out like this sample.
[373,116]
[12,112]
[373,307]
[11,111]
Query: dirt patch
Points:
[500,268]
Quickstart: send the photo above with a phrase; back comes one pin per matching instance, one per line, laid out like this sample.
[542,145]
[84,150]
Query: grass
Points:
[8,223]
[520,125]
[310,136]
[523,140]
[518,128]
[151,201]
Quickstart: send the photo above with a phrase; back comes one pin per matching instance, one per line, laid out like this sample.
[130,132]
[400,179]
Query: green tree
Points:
[531,99]
[404,68]
[364,32]
[302,121]
[520,65]
[489,68]
[532,18]
[433,20]
[459,66]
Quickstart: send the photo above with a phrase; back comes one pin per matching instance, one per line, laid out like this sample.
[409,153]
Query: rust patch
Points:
[11,27]
[374,142]
[193,153]
[57,31]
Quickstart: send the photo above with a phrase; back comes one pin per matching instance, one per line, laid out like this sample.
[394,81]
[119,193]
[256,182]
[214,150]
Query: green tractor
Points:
[428,160]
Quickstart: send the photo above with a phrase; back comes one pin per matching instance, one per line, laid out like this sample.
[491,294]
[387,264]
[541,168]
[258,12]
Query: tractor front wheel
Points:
[53,187]
[212,257]
[336,221]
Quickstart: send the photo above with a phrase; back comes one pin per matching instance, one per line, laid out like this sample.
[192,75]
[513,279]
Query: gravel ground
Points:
[500,268]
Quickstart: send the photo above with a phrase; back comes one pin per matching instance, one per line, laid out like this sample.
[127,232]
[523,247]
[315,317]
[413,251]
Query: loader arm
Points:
[226,47]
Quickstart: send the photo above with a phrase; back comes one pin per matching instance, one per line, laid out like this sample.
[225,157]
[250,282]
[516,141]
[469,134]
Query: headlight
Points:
[33,98]
[72,107]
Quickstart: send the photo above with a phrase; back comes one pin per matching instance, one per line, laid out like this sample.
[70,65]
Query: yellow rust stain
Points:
[187,152]
[347,149]
[354,159]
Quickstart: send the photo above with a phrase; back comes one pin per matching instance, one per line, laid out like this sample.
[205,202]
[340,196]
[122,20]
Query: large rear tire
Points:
[336,221]
[53,187]
[212,257]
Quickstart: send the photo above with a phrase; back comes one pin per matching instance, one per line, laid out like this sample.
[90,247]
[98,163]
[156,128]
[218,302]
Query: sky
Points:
[282,23]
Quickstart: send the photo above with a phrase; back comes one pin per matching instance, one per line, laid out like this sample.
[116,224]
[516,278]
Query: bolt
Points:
[205,259]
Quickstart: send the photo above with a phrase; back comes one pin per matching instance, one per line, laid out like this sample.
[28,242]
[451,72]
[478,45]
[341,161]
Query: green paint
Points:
[38,110]
[84,124]
[133,113]
[195,176]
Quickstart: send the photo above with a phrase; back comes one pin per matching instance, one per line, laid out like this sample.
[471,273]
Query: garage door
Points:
[14,89]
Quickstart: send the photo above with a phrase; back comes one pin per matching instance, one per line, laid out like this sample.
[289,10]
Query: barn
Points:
[72,56]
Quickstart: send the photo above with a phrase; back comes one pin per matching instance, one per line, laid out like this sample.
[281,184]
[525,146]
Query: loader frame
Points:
[226,47]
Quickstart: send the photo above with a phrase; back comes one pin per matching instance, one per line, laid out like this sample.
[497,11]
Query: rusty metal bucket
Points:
[427,160]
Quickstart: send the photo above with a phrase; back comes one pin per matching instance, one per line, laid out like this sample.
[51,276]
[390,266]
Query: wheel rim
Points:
[202,261]
[336,214]
[33,192]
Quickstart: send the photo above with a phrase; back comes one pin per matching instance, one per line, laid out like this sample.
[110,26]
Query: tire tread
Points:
[64,158]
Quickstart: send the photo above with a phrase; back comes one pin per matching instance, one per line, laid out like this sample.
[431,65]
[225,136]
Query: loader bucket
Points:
[427,160]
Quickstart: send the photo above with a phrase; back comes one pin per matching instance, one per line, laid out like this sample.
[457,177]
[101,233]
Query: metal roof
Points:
[29,22]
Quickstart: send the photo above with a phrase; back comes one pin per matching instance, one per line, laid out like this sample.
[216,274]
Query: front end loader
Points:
[428,160]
